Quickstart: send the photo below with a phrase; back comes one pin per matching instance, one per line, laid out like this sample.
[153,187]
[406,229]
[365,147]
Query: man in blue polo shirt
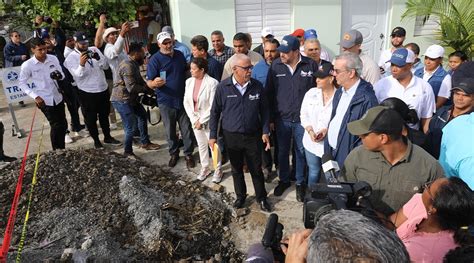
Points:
[288,80]
[165,74]
[242,103]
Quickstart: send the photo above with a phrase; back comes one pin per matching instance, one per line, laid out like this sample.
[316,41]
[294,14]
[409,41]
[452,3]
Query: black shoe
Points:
[7,159]
[190,161]
[98,145]
[265,206]
[112,140]
[239,203]
[280,189]
[300,192]
[173,160]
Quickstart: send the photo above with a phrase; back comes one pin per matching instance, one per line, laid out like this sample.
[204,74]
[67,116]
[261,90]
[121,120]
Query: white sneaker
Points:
[113,126]
[68,139]
[81,133]
[217,177]
[203,174]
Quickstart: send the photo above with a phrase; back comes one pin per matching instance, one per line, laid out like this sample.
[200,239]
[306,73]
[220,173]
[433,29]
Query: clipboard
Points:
[216,155]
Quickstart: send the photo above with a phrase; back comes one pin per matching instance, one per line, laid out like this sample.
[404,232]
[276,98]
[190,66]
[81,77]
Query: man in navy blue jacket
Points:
[288,80]
[351,101]
[241,102]
[15,52]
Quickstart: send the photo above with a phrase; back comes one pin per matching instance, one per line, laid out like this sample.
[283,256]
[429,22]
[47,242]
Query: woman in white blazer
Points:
[315,115]
[198,97]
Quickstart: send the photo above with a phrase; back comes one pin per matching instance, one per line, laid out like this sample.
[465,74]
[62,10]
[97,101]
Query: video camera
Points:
[324,197]
[333,195]
[56,75]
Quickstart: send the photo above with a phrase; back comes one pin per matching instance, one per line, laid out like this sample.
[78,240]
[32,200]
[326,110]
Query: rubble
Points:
[99,206]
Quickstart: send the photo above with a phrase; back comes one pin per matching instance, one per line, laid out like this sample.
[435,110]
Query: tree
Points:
[71,13]
[455,18]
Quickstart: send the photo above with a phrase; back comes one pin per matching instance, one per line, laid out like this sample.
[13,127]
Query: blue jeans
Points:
[314,167]
[132,116]
[285,132]
[170,116]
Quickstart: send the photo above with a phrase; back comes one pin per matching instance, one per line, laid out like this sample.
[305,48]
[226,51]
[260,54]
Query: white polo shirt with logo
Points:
[417,95]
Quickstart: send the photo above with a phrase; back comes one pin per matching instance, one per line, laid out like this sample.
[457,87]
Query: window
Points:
[253,15]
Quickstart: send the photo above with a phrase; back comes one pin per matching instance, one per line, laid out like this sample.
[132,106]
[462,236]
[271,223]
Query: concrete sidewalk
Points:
[288,209]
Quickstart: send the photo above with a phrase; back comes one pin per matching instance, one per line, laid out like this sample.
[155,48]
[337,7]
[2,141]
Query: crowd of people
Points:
[384,123]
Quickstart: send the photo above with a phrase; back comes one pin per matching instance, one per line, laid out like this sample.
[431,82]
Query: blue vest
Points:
[435,80]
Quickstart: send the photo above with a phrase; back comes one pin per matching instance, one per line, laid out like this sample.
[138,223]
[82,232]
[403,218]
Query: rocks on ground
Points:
[100,206]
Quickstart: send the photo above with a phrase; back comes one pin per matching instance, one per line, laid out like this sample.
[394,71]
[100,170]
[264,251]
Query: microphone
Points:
[330,167]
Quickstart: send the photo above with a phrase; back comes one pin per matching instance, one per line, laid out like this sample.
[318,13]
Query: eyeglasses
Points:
[339,71]
[246,68]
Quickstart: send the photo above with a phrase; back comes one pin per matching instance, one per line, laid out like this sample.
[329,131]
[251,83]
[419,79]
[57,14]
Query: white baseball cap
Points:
[434,51]
[162,36]
[267,31]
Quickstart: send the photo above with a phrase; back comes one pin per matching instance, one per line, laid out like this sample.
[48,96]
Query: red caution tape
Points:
[11,219]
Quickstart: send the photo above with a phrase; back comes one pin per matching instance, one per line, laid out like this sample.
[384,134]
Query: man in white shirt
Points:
[240,43]
[114,49]
[396,37]
[402,84]
[86,65]
[351,42]
[44,70]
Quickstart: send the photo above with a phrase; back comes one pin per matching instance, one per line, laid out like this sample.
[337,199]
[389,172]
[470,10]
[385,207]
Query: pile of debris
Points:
[100,206]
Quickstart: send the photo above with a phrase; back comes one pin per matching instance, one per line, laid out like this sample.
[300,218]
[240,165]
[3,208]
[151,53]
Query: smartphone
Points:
[319,136]
[134,24]
[163,75]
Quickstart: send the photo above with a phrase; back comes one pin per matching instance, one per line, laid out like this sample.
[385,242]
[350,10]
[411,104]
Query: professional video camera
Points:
[92,55]
[323,197]
[333,195]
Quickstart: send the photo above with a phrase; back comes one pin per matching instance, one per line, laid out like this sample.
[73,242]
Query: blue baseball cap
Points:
[402,56]
[289,43]
[310,33]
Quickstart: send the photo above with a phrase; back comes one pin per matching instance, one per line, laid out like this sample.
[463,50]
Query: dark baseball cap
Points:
[398,32]
[466,85]
[324,70]
[81,38]
[289,43]
[378,119]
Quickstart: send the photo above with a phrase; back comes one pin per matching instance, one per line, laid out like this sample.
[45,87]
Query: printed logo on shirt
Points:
[280,75]
[231,96]
[254,97]
[306,74]
[51,66]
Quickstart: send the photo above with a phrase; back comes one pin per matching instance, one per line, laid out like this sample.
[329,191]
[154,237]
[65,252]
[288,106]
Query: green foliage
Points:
[71,13]
[455,18]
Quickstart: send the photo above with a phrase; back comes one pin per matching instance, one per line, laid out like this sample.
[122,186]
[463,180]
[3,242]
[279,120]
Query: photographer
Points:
[86,64]
[345,236]
[124,99]
[44,70]
[339,236]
